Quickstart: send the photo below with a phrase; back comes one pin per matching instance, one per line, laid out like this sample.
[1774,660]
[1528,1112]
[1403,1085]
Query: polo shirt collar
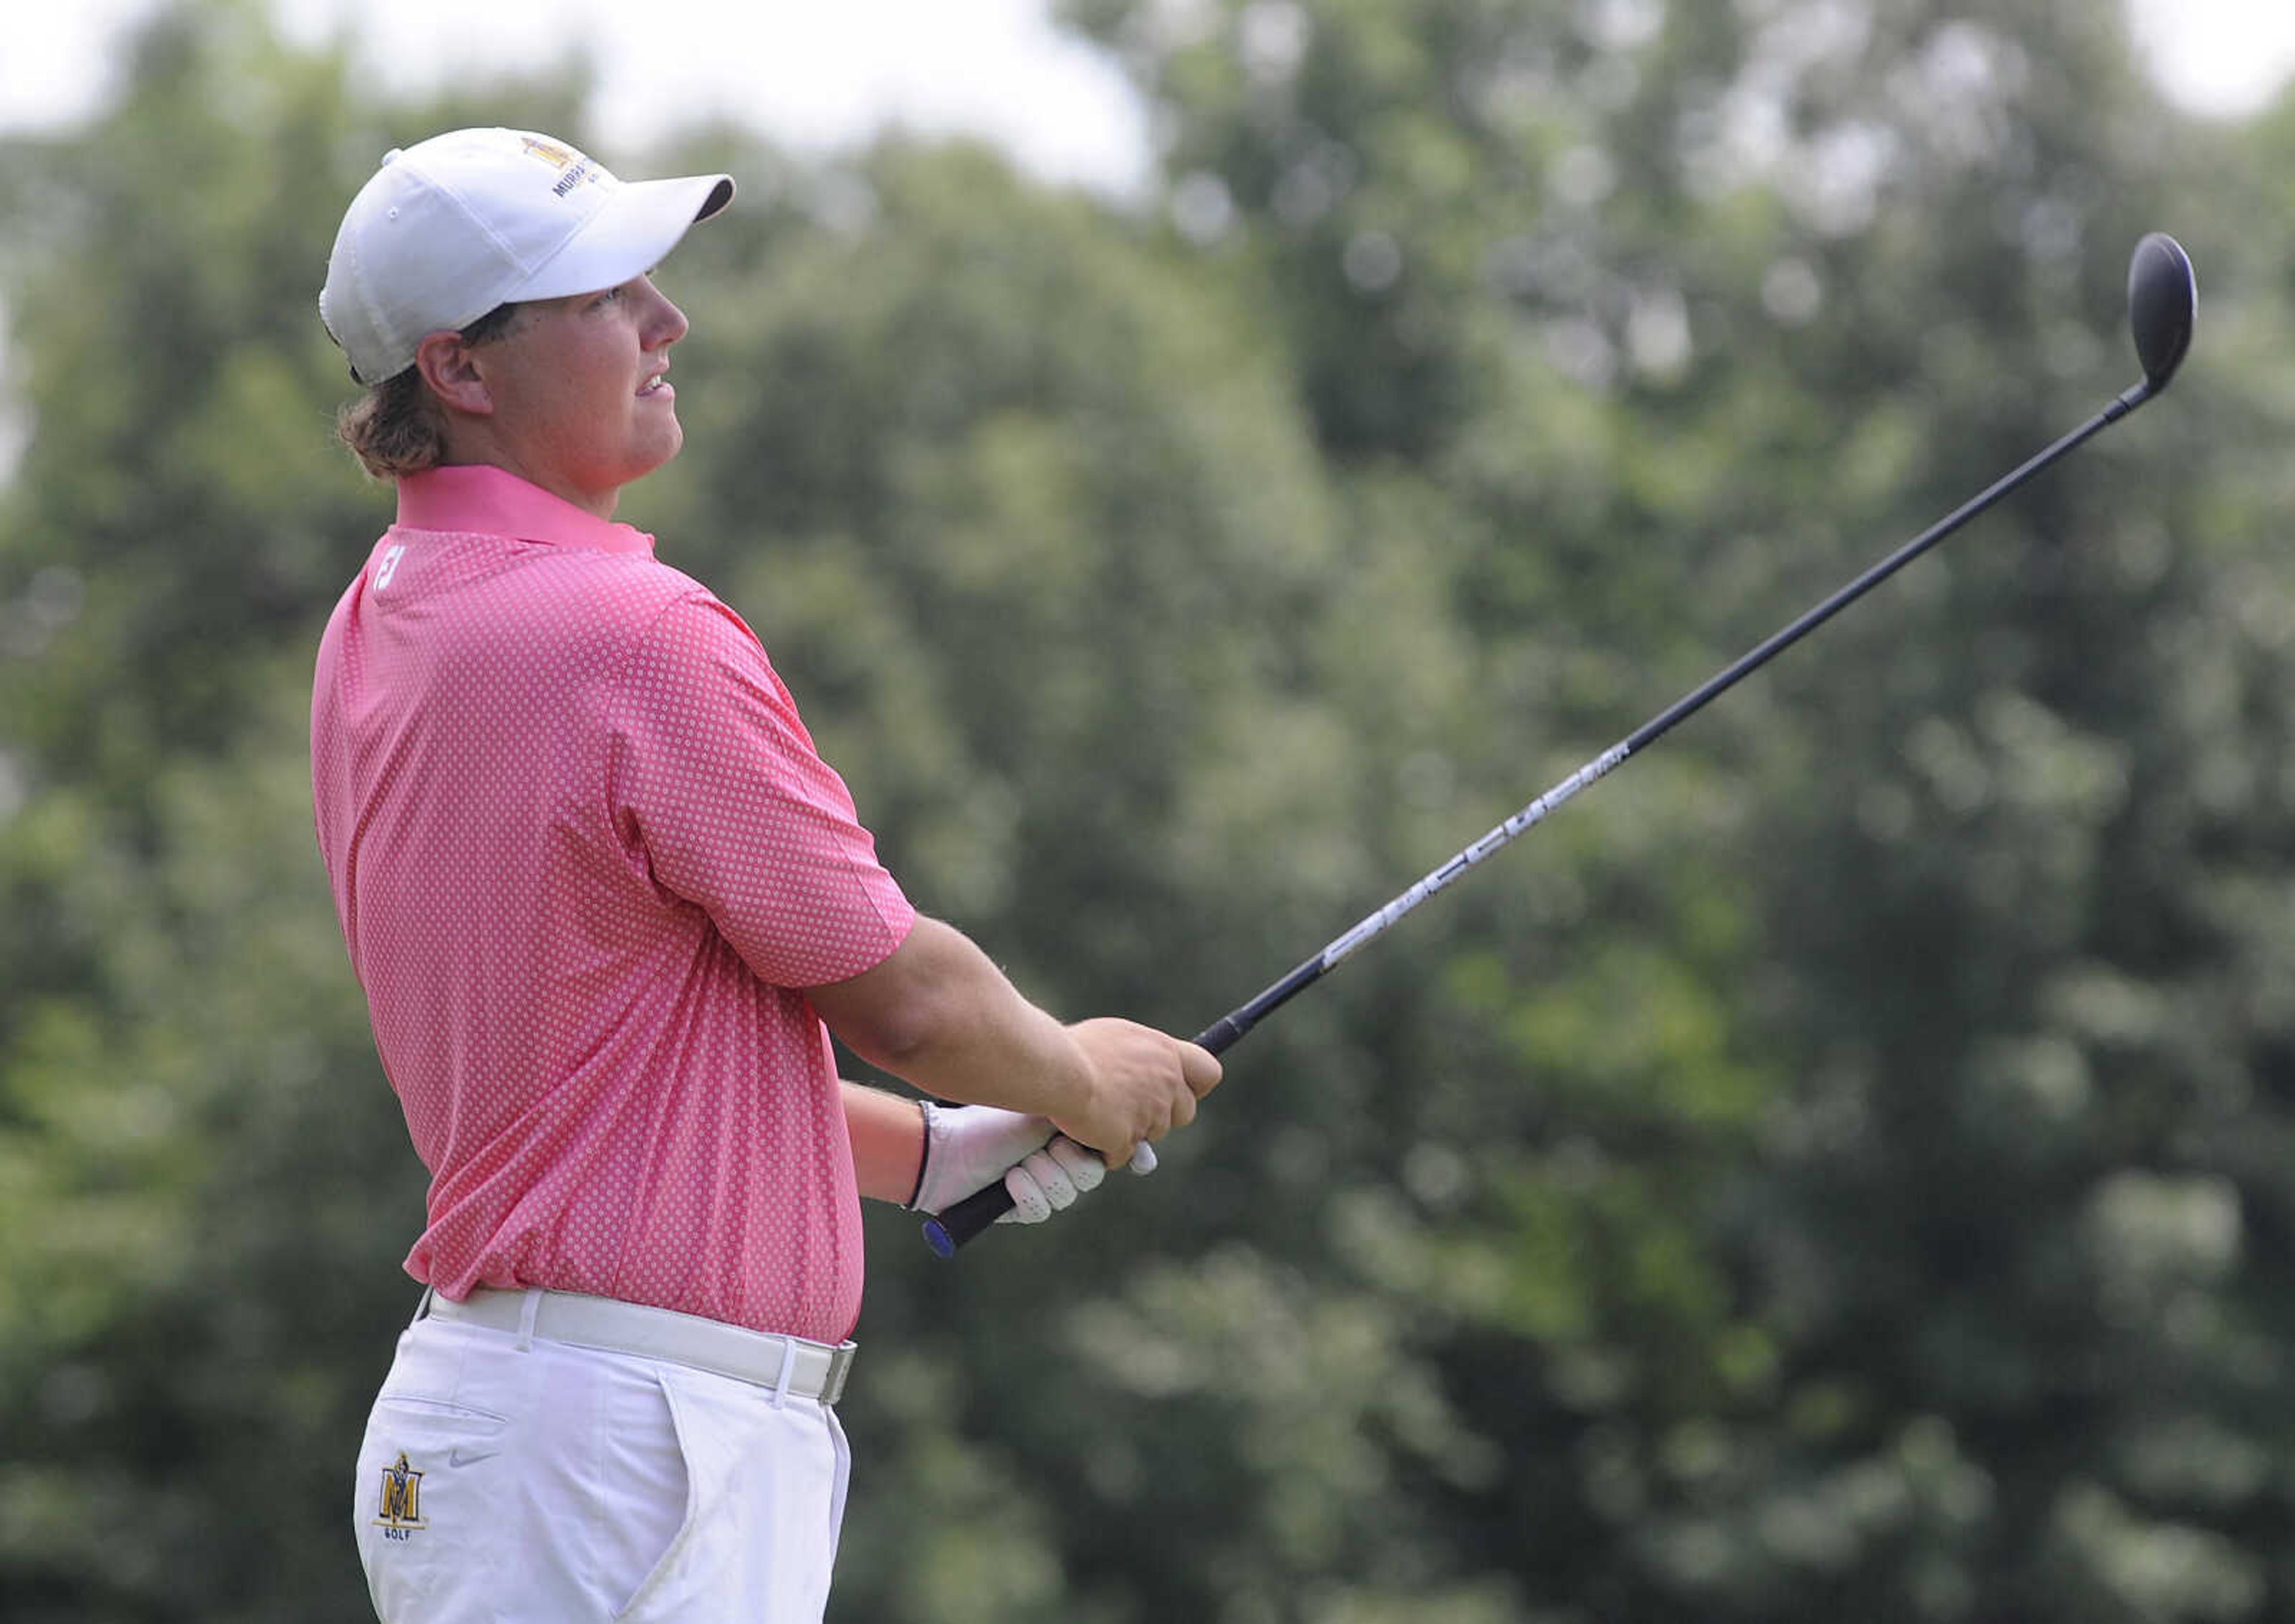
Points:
[477,499]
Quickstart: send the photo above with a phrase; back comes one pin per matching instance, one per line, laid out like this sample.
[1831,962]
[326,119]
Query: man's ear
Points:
[449,365]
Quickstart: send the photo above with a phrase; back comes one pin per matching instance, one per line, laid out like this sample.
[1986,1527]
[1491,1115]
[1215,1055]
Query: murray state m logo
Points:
[402,1499]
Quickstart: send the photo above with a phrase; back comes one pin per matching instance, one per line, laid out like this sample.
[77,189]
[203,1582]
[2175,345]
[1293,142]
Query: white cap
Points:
[448,229]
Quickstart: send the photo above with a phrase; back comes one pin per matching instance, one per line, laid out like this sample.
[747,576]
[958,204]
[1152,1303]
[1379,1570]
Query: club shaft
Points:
[967,1218]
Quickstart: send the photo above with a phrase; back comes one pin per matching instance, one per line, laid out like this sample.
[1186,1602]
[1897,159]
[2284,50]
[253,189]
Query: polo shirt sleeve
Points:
[716,787]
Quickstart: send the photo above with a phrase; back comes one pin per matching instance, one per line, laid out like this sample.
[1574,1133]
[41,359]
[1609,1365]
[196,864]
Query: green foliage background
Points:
[1844,1167]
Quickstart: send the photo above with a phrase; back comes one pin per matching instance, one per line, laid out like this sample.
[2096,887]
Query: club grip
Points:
[960,1222]
[952,1225]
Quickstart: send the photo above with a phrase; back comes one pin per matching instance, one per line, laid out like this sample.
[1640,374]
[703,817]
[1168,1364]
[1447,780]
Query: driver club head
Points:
[2163,303]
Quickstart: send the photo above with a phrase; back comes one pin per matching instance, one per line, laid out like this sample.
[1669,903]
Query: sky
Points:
[817,75]
[820,74]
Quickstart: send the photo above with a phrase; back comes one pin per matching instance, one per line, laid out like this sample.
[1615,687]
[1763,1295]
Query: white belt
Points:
[786,1364]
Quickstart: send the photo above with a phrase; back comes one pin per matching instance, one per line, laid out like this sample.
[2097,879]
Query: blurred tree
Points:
[1766,1224]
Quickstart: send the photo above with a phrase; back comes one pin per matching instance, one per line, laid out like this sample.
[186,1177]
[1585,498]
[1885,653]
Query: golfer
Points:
[607,904]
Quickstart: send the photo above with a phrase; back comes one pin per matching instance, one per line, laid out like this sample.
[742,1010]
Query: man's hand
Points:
[968,1147]
[1143,1084]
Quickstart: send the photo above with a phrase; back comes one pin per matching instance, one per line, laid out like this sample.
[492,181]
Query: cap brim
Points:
[633,232]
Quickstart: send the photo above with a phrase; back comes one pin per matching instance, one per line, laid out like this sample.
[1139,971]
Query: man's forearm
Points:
[939,1014]
[888,1142]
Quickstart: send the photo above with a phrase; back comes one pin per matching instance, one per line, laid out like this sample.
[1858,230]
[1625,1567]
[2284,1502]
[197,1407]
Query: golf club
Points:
[2162,306]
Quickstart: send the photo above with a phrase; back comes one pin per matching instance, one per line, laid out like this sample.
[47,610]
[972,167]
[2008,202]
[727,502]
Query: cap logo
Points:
[578,168]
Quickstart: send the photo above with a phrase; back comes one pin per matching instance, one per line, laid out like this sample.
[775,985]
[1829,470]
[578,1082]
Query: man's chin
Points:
[657,455]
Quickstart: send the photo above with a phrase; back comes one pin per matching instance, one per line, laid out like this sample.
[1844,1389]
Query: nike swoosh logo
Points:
[469,1457]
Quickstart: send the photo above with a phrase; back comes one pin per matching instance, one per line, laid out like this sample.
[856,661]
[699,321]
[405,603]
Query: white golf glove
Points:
[970,1147]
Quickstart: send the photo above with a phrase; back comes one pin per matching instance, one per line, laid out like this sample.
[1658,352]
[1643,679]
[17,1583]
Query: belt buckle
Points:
[840,1361]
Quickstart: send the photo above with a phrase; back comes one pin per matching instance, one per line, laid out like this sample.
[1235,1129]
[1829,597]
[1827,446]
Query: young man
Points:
[603,896]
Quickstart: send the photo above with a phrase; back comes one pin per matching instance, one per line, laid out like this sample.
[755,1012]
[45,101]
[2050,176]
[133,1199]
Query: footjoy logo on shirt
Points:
[389,566]
[401,1500]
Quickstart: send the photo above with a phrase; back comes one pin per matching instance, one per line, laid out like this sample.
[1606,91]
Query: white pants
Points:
[508,1479]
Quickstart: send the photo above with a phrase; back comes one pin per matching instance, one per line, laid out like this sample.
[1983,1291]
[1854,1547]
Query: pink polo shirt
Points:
[584,856]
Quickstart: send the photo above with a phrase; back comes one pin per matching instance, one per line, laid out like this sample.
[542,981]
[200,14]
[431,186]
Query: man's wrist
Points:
[925,1112]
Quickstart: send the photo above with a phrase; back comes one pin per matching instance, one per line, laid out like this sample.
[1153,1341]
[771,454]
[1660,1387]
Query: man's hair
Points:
[395,428]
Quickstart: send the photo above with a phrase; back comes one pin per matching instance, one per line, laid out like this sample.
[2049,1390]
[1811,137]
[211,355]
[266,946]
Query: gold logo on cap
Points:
[549,151]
